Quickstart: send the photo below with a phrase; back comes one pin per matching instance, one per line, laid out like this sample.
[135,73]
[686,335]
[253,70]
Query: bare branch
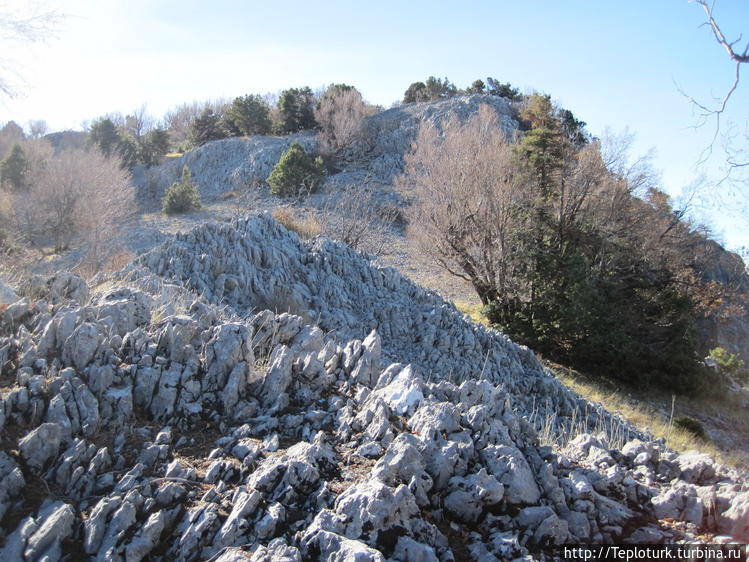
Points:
[29,24]
[720,37]
[706,112]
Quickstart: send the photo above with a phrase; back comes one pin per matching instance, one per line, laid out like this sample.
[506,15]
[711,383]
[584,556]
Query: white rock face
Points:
[357,431]
[7,295]
[219,166]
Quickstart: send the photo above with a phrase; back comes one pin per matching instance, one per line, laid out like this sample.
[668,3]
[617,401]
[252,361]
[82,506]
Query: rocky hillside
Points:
[375,161]
[236,393]
[230,164]
[217,167]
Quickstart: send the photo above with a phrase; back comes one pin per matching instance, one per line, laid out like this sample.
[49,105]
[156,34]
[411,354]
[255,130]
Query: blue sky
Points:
[614,64]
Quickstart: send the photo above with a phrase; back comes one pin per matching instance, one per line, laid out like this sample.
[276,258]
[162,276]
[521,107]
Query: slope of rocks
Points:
[389,134]
[218,167]
[376,158]
[180,413]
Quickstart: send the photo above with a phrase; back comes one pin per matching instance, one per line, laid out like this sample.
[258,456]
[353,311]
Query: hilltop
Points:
[233,390]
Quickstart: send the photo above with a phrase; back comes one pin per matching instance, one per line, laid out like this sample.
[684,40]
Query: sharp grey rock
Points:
[276,551]
[11,482]
[470,496]
[510,467]
[734,521]
[277,379]
[7,295]
[41,445]
[184,420]
[219,166]
[41,537]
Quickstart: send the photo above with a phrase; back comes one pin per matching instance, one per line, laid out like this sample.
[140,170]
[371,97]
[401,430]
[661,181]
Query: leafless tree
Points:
[139,122]
[341,114]
[178,120]
[26,22]
[466,199]
[37,128]
[76,195]
[355,216]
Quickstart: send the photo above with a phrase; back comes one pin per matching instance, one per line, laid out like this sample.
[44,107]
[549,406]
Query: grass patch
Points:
[472,309]
[306,226]
[657,414]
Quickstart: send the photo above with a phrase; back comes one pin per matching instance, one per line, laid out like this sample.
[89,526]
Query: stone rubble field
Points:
[239,394]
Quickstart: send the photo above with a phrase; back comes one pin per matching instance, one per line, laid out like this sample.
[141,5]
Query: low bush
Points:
[296,173]
[729,364]
[691,425]
[182,196]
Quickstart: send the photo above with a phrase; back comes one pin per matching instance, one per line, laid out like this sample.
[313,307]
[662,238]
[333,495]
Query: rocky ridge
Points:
[237,393]
[375,159]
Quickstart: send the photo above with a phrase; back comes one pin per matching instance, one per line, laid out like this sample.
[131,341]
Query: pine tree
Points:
[248,115]
[296,107]
[296,172]
[183,196]
[14,169]
[156,146]
[104,136]
[205,128]
[416,92]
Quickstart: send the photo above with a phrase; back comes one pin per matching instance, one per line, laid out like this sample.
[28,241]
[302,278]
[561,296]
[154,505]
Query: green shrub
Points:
[182,196]
[296,172]
[692,426]
[729,364]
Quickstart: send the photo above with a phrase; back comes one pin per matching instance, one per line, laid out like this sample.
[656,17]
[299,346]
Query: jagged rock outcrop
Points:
[361,417]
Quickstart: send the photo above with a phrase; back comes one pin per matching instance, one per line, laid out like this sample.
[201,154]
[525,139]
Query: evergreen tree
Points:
[544,148]
[296,107]
[439,89]
[296,173]
[104,136]
[129,151]
[205,128]
[14,169]
[156,146]
[415,92]
[183,196]
[573,128]
[248,115]
[496,88]
[477,87]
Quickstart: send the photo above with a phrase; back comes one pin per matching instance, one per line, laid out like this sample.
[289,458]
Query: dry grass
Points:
[306,226]
[646,416]
[117,261]
[472,309]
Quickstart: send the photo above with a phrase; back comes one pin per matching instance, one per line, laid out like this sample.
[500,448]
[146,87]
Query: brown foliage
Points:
[341,116]
[357,219]
[306,226]
[466,199]
[75,195]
